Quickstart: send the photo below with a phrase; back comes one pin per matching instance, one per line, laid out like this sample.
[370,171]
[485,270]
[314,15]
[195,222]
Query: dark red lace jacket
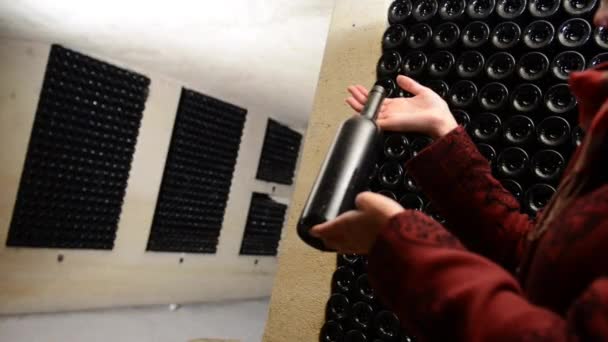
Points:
[516,280]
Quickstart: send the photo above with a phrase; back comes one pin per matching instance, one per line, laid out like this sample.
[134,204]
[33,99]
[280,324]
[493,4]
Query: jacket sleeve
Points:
[479,210]
[442,292]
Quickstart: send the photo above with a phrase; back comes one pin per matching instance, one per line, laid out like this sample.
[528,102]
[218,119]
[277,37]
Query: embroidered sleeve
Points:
[442,292]
[479,211]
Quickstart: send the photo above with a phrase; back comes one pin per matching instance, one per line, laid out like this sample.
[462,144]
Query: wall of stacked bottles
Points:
[502,66]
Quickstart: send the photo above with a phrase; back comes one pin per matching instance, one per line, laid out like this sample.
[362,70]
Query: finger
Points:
[387,123]
[331,224]
[354,104]
[357,94]
[362,89]
[334,227]
[408,84]
[372,202]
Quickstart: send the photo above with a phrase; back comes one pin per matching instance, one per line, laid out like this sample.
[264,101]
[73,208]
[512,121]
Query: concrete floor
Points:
[240,320]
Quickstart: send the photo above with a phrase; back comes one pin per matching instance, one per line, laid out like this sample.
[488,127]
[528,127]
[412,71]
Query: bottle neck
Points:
[374,103]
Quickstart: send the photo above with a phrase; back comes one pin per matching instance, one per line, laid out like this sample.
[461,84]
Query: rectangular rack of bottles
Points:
[502,66]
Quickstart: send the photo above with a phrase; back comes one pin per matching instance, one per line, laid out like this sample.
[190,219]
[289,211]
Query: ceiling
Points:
[261,55]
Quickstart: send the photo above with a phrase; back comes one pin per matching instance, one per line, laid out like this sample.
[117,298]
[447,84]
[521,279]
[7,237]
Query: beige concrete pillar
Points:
[302,283]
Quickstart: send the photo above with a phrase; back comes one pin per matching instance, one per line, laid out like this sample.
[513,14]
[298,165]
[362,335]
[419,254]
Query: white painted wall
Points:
[34,280]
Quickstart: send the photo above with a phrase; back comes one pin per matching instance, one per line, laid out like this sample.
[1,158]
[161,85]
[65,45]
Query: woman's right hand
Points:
[425,112]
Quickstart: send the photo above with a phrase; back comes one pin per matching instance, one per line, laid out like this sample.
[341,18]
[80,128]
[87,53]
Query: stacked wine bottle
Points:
[79,155]
[353,314]
[502,66]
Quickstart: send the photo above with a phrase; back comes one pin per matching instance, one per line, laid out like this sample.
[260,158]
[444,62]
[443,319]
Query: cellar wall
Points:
[56,279]
[303,280]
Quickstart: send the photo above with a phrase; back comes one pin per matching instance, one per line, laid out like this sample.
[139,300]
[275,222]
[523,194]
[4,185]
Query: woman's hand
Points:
[425,112]
[355,231]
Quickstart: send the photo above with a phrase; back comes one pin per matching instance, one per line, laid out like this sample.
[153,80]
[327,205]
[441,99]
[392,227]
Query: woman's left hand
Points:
[355,231]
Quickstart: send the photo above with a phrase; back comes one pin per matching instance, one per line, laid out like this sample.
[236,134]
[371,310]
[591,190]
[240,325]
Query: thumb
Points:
[408,84]
[378,204]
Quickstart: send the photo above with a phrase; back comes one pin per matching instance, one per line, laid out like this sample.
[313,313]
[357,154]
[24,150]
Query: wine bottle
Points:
[512,162]
[424,9]
[532,66]
[513,187]
[487,152]
[387,325]
[390,175]
[598,59]
[486,127]
[500,66]
[441,63]
[389,64]
[505,35]
[337,308]
[399,11]
[452,9]
[480,9]
[518,130]
[461,117]
[388,193]
[559,99]
[411,201]
[419,36]
[543,8]
[567,62]
[526,97]
[510,9]
[462,94]
[364,289]
[394,37]
[539,34]
[414,63]
[553,131]
[600,36]
[577,136]
[343,280]
[446,35]
[362,315]
[396,147]
[345,170]
[574,33]
[332,331]
[419,143]
[547,165]
[578,8]
[439,87]
[537,196]
[355,336]
[493,96]
[409,183]
[470,64]
[475,34]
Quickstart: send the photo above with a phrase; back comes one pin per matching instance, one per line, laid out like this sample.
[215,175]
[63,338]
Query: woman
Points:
[517,279]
